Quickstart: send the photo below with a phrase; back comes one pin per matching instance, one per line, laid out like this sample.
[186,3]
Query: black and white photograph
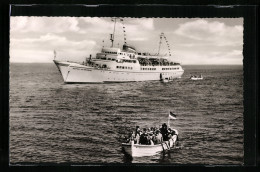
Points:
[91,90]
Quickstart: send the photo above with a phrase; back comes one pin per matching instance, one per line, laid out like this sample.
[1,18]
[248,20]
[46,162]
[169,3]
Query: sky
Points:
[191,40]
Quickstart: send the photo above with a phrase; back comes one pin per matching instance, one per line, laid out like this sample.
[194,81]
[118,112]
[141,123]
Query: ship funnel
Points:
[129,48]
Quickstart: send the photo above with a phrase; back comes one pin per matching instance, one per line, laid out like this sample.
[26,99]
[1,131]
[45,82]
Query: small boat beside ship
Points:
[194,77]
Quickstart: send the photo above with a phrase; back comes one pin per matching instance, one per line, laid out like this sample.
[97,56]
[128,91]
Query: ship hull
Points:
[75,73]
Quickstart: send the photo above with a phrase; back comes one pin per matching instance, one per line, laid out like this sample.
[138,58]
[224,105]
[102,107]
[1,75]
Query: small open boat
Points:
[196,78]
[138,150]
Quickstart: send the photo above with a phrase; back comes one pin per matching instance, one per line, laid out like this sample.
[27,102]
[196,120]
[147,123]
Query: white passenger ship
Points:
[120,65]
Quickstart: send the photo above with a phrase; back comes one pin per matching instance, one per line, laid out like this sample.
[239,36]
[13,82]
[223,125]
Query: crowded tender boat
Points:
[150,141]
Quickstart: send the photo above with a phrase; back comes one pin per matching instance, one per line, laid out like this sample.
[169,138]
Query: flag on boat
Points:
[172,115]
[54,54]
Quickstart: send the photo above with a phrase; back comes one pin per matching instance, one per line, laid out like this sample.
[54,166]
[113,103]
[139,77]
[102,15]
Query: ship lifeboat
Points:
[196,77]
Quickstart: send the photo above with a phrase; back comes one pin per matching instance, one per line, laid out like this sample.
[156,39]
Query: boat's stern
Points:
[181,71]
[127,148]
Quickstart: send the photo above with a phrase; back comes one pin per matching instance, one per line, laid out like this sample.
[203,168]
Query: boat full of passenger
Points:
[150,142]
[194,77]
[113,64]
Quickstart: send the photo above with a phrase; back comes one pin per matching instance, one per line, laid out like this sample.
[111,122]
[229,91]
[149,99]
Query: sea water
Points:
[51,122]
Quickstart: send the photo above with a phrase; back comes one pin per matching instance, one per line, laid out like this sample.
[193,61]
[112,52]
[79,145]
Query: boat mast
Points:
[167,43]
[113,35]
[160,43]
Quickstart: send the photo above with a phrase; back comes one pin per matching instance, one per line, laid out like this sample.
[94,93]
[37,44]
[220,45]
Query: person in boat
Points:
[172,132]
[137,134]
[149,139]
[154,137]
[164,132]
[130,137]
[143,137]
[169,134]
[175,133]
[158,137]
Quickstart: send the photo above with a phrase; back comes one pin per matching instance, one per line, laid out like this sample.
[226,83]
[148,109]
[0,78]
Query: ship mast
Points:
[112,36]
[167,43]
[160,43]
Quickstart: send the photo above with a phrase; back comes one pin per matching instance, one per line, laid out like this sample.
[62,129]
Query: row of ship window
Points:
[122,60]
[104,58]
[170,68]
[115,53]
[111,52]
[127,61]
[124,67]
[162,68]
[148,68]
[120,53]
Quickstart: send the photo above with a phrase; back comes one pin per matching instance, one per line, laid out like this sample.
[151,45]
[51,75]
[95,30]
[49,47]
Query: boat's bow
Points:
[63,68]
